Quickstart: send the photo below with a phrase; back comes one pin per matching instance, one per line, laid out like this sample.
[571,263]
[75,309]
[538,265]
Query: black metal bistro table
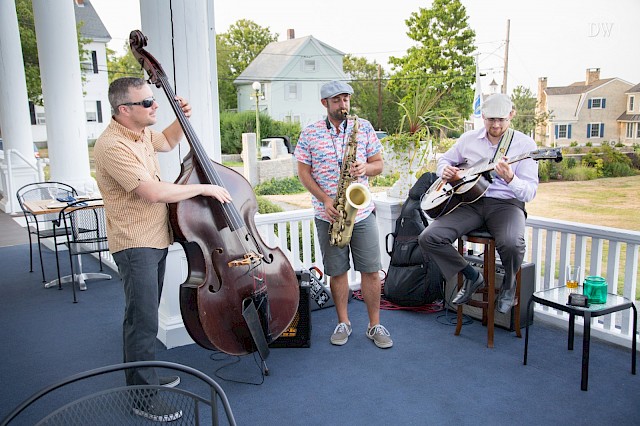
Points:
[557,297]
[38,207]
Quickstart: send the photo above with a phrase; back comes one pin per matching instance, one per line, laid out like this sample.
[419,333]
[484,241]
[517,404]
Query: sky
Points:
[557,39]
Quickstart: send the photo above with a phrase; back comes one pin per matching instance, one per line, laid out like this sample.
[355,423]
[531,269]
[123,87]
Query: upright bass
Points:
[230,267]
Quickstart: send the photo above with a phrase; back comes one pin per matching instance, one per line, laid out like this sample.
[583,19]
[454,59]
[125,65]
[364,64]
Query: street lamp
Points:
[256,87]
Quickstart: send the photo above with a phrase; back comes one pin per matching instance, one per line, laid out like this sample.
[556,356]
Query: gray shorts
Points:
[364,245]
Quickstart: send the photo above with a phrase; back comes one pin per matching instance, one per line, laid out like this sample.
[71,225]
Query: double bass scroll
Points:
[229,264]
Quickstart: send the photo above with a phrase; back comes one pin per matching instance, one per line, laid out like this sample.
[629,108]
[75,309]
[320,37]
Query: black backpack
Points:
[411,279]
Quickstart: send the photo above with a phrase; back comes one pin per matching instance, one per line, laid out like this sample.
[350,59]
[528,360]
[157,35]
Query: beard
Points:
[496,133]
[338,114]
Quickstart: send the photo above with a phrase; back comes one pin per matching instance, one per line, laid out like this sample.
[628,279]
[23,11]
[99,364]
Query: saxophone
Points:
[350,196]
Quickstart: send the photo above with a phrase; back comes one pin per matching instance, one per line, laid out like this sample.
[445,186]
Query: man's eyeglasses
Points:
[497,120]
[145,103]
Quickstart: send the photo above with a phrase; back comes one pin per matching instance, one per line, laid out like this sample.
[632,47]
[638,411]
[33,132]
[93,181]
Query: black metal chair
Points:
[85,227]
[42,226]
[98,397]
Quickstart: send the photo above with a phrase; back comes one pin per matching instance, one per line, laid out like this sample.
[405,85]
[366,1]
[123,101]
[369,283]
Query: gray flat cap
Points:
[333,88]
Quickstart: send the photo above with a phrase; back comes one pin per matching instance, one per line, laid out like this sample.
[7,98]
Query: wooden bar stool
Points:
[489,291]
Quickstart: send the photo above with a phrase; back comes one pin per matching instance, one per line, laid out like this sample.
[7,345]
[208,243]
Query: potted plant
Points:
[409,151]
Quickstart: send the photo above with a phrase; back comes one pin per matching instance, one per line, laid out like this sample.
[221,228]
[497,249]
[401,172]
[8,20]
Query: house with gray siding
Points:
[290,74]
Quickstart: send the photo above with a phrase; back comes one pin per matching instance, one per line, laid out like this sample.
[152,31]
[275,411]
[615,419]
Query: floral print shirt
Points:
[322,146]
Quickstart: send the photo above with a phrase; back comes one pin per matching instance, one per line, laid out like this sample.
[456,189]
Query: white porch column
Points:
[14,112]
[184,32]
[62,91]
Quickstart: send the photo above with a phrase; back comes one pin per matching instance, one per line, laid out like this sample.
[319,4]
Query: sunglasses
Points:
[145,103]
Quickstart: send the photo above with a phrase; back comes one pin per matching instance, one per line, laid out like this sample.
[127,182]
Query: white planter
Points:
[401,188]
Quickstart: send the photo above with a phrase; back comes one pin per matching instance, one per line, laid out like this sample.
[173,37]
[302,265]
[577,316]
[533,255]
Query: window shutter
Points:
[569,131]
[589,107]
[602,130]
[556,131]
[588,131]
[604,102]
[32,112]
[94,61]
[99,108]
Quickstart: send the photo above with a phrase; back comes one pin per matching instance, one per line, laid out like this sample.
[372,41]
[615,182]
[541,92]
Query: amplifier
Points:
[298,334]
[505,320]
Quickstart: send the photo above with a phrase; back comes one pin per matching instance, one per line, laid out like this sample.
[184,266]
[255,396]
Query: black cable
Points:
[445,318]
[235,359]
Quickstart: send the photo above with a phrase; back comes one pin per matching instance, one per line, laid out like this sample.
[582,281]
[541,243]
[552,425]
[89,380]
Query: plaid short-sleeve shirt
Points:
[123,159]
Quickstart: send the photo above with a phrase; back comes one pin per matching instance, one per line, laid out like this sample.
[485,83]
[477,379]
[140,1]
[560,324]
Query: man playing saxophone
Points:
[323,153]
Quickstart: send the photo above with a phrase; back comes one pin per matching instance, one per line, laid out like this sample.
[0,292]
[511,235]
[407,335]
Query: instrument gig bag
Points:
[411,279]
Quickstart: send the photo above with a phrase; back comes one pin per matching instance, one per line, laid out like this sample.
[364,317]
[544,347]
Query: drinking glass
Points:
[53,192]
[573,277]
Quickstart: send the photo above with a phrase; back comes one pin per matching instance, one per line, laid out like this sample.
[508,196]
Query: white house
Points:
[290,73]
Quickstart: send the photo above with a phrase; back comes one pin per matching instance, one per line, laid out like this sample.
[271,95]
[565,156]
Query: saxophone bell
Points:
[357,196]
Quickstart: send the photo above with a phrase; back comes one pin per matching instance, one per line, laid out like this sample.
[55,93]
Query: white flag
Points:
[477,100]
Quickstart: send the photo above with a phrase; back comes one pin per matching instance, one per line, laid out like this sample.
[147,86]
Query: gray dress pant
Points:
[142,272]
[504,219]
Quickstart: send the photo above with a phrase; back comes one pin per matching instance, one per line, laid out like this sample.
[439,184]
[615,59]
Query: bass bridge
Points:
[249,259]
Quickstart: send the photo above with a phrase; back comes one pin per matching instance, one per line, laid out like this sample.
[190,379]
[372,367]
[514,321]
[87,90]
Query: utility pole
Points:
[506,60]
[379,97]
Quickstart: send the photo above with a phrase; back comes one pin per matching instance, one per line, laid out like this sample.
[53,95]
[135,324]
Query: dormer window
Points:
[631,101]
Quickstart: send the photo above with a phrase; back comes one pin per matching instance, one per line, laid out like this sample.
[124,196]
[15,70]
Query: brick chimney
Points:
[542,86]
[541,107]
[542,96]
[593,74]
[291,34]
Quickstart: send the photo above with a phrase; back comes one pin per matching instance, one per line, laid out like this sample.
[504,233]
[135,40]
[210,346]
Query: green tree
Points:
[26,26]
[526,118]
[371,92]
[441,58]
[236,49]
[123,66]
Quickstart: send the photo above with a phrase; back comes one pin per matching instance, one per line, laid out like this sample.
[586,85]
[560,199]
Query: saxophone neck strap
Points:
[344,125]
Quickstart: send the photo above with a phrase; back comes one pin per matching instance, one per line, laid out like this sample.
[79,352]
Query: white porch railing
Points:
[551,245]
[608,252]
[11,187]
[298,242]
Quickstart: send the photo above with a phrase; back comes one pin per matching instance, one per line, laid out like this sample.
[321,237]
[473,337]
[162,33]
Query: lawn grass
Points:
[612,202]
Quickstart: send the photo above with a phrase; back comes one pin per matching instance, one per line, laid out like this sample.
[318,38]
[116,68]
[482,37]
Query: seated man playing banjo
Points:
[500,209]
